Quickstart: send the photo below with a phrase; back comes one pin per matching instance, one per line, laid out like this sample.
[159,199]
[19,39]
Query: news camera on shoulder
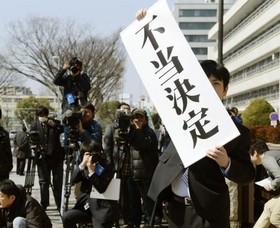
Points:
[82,125]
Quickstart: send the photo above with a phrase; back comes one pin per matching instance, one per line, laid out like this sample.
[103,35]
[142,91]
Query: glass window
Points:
[200,51]
[198,38]
[16,100]
[197,13]
[196,25]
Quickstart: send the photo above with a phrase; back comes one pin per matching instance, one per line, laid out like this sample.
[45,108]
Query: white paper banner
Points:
[182,94]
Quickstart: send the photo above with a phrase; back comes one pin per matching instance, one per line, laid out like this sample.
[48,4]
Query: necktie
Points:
[185,178]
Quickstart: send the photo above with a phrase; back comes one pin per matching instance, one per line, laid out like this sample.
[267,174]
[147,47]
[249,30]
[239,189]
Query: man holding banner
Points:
[203,200]
[187,95]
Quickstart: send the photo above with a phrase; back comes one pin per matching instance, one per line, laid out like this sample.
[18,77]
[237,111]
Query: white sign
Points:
[264,182]
[112,192]
[182,94]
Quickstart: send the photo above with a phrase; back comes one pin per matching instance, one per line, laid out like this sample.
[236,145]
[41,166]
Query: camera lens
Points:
[95,157]
[74,69]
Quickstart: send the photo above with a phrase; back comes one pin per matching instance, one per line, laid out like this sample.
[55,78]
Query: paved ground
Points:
[51,210]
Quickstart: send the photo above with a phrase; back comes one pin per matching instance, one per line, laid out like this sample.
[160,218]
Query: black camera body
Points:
[123,124]
[34,138]
[95,157]
[73,118]
[75,65]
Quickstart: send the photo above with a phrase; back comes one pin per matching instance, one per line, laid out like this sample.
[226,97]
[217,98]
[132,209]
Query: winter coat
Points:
[27,207]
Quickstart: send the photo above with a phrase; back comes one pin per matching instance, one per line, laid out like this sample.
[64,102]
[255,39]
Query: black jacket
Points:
[102,210]
[27,207]
[208,189]
[144,152]
[6,158]
[50,140]
[78,86]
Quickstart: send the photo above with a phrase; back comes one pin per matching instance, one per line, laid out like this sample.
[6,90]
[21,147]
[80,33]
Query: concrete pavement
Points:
[52,212]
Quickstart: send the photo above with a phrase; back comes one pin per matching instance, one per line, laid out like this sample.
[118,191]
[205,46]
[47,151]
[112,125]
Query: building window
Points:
[198,38]
[7,99]
[196,25]
[200,51]
[16,100]
[197,13]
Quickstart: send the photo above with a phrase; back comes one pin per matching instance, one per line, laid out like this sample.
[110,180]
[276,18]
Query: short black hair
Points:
[9,188]
[121,104]
[42,111]
[90,146]
[218,70]
[89,106]
[259,146]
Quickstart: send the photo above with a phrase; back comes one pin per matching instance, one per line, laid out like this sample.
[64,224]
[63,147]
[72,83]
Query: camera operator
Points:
[49,155]
[88,127]
[6,161]
[76,84]
[84,127]
[94,170]
[114,138]
[144,157]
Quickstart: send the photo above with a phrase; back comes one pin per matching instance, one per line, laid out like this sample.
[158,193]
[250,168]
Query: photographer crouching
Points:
[94,170]
[49,155]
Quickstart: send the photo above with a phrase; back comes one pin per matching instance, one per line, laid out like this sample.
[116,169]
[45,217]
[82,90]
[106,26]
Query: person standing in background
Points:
[21,150]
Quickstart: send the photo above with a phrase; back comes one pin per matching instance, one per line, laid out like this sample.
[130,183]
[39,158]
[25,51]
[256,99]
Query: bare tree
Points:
[34,42]
[8,78]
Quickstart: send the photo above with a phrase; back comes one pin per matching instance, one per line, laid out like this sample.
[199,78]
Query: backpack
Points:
[6,161]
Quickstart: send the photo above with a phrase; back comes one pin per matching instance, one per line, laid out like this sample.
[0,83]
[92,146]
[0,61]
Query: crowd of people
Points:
[148,165]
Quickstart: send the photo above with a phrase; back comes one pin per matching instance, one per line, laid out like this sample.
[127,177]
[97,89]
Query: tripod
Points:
[66,183]
[30,172]
[122,159]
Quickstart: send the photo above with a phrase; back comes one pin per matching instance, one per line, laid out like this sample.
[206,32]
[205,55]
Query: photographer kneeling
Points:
[94,170]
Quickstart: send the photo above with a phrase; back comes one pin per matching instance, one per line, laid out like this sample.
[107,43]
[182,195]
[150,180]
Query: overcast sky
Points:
[107,16]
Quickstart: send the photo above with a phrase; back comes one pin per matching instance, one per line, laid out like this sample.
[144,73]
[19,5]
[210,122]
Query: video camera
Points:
[35,143]
[72,119]
[34,138]
[122,123]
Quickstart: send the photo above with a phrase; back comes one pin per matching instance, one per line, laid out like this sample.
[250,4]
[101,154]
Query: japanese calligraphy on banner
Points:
[181,92]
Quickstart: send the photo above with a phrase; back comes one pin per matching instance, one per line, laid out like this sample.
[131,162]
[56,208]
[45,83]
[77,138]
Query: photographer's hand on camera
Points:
[66,66]
[86,162]
[80,127]
[137,123]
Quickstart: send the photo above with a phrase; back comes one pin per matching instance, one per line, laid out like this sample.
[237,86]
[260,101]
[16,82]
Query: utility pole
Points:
[220,31]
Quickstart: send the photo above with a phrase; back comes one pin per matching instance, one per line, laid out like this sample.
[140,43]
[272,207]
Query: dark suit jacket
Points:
[102,210]
[208,189]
